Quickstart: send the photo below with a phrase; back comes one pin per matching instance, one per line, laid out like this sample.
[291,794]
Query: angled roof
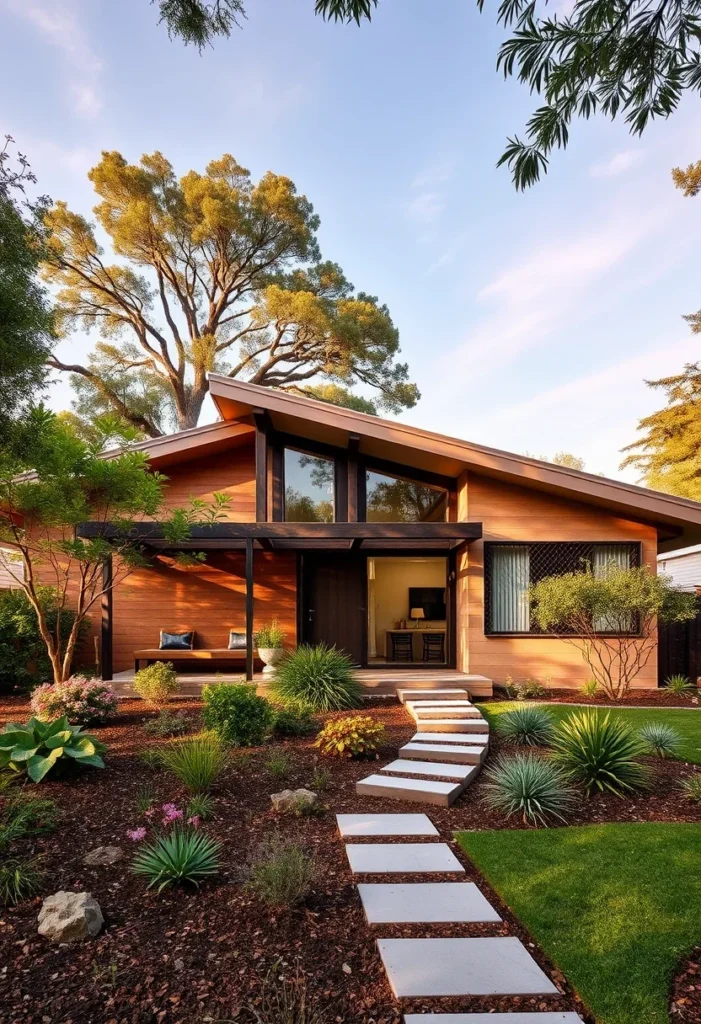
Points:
[678,519]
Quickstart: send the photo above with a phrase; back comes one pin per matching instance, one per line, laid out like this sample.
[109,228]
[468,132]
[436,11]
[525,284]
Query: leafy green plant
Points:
[150,757]
[270,636]
[350,737]
[691,786]
[37,747]
[200,805]
[197,762]
[601,752]
[156,683]
[293,721]
[183,855]
[282,872]
[21,816]
[678,684]
[279,764]
[530,725]
[590,688]
[237,713]
[24,661]
[528,785]
[168,723]
[320,678]
[284,999]
[660,739]
[19,879]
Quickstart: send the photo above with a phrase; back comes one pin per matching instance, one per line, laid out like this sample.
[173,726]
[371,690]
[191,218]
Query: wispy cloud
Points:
[59,24]
[618,164]
[427,196]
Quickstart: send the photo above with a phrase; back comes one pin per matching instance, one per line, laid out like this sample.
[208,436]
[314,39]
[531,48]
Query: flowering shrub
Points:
[79,699]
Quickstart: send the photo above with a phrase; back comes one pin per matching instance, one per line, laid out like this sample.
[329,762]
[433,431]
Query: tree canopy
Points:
[212,272]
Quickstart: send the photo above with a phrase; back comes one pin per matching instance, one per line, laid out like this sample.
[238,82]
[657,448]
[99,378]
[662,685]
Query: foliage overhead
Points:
[214,273]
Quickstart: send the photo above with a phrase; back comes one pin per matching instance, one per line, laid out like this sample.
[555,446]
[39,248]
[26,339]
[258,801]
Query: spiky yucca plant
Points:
[601,752]
[320,678]
[660,739]
[529,725]
[678,684]
[182,856]
[691,786]
[528,785]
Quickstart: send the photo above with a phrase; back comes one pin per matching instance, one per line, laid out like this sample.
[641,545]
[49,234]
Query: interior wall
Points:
[393,577]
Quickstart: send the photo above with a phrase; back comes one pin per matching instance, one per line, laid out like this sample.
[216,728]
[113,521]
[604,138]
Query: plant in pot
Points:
[270,642]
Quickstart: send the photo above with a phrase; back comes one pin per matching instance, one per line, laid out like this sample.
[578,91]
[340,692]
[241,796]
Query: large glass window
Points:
[392,500]
[309,487]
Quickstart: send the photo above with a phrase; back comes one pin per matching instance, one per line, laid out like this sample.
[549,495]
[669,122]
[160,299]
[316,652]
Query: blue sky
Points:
[530,321]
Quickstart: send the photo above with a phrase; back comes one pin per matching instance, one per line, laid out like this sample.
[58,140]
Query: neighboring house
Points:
[354,530]
[683,566]
[11,569]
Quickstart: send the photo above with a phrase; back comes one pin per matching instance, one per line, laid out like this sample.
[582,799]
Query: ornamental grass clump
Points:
[691,786]
[197,762]
[529,725]
[282,872]
[79,699]
[356,736]
[601,752]
[660,739]
[237,713]
[157,683]
[529,786]
[678,684]
[19,879]
[320,678]
[38,747]
[285,999]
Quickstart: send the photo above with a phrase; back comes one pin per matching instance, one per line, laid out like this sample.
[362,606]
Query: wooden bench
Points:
[236,656]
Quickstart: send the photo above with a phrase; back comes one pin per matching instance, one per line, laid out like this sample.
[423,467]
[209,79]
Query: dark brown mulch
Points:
[187,957]
[660,697]
[686,990]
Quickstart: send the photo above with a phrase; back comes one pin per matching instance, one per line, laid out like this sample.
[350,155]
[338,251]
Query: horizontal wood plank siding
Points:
[510,512]
[232,472]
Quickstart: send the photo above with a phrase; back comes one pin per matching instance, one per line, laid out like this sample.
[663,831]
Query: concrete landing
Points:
[399,858]
[426,903]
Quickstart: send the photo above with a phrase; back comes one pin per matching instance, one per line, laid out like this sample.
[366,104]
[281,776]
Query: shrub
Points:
[660,739]
[196,762]
[19,879]
[320,678]
[527,690]
[167,723]
[350,737]
[23,658]
[528,785]
[294,722]
[38,746]
[282,872]
[530,725]
[601,752]
[691,786]
[279,764]
[678,684]
[590,688]
[284,999]
[156,683]
[321,780]
[272,635]
[184,855]
[237,713]
[80,699]
[200,805]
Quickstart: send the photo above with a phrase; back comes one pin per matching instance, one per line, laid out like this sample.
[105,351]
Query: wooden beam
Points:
[249,610]
[106,630]
[296,531]
[262,424]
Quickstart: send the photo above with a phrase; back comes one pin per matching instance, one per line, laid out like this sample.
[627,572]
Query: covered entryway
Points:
[333,601]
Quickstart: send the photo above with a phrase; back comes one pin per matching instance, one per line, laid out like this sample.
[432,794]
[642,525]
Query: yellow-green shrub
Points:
[350,737]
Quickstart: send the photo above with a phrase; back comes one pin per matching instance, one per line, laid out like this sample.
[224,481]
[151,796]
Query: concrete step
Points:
[444,752]
[402,858]
[423,791]
[529,1017]
[463,773]
[405,693]
[426,903]
[452,725]
[419,704]
[420,714]
[475,739]
[385,825]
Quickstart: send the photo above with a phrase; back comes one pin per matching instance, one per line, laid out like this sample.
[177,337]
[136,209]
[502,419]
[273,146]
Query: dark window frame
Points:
[299,450]
[577,552]
[429,480]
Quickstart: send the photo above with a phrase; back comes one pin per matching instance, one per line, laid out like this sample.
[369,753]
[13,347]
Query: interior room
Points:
[407,610]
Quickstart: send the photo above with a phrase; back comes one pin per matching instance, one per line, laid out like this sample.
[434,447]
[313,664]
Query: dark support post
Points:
[249,609]
[106,602]
[260,419]
[353,445]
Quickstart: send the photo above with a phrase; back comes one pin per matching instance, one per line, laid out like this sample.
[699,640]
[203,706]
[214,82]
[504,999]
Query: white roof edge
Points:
[694,549]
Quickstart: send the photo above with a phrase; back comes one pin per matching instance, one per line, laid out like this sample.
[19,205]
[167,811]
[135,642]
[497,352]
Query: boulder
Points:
[102,855]
[299,800]
[70,917]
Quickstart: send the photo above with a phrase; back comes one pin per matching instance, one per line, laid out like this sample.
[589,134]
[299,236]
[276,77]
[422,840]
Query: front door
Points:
[334,602]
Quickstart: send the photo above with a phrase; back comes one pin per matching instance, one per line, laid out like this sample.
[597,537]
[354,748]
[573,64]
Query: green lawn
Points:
[687,723]
[614,906]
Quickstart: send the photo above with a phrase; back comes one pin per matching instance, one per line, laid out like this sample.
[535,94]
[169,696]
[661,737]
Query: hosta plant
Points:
[320,678]
[529,786]
[660,739]
[81,700]
[350,737]
[37,747]
[601,752]
[678,684]
[182,856]
[529,725]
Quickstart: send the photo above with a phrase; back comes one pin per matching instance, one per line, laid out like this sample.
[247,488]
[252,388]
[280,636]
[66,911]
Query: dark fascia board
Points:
[296,531]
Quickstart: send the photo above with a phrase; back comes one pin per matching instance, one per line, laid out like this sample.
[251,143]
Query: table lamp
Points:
[417,613]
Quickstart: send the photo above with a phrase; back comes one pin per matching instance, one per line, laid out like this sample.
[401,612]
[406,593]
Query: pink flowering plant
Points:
[177,852]
[79,699]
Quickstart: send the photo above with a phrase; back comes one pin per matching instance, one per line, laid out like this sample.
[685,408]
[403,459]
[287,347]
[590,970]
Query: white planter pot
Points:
[270,656]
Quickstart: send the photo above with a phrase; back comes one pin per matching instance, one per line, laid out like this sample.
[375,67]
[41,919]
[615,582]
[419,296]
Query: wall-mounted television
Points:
[431,599]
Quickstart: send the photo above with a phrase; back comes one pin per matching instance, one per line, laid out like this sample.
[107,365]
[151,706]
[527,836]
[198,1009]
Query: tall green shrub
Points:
[237,714]
[24,661]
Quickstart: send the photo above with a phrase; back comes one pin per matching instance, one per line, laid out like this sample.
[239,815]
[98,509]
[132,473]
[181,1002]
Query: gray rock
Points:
[298,800]
[70,917]
[102,855]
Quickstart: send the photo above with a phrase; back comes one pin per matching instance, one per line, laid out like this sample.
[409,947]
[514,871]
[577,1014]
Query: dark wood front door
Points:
[334,604]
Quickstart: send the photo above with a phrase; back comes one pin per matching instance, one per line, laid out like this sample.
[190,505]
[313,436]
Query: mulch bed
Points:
[186,957]
[686,991]
[659,698]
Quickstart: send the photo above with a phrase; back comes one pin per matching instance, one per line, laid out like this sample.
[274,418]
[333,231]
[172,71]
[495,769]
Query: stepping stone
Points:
[385,825]
[536,1017]
[477,739]
[400,858]
[404,693]
[421,704]
[499,966]
[425,903]
[452,725]
[449,771]
[420,713]
[421,791]
[444,752]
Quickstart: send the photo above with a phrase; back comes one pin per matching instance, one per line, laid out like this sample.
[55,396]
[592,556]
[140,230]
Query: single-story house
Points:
[683,567]
[410,550]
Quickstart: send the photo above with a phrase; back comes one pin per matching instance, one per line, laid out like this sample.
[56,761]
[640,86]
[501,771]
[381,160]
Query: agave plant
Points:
[530,725]
[37,746]
[660,739]
[678,684]
[601,752]
[320,678]
[528,785]
[691,786]
[184,855]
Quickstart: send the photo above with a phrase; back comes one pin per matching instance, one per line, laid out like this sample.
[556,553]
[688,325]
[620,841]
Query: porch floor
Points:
[380,682]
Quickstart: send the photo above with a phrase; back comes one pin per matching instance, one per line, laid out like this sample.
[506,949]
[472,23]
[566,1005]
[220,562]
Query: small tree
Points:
[68,481]
[610,617]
